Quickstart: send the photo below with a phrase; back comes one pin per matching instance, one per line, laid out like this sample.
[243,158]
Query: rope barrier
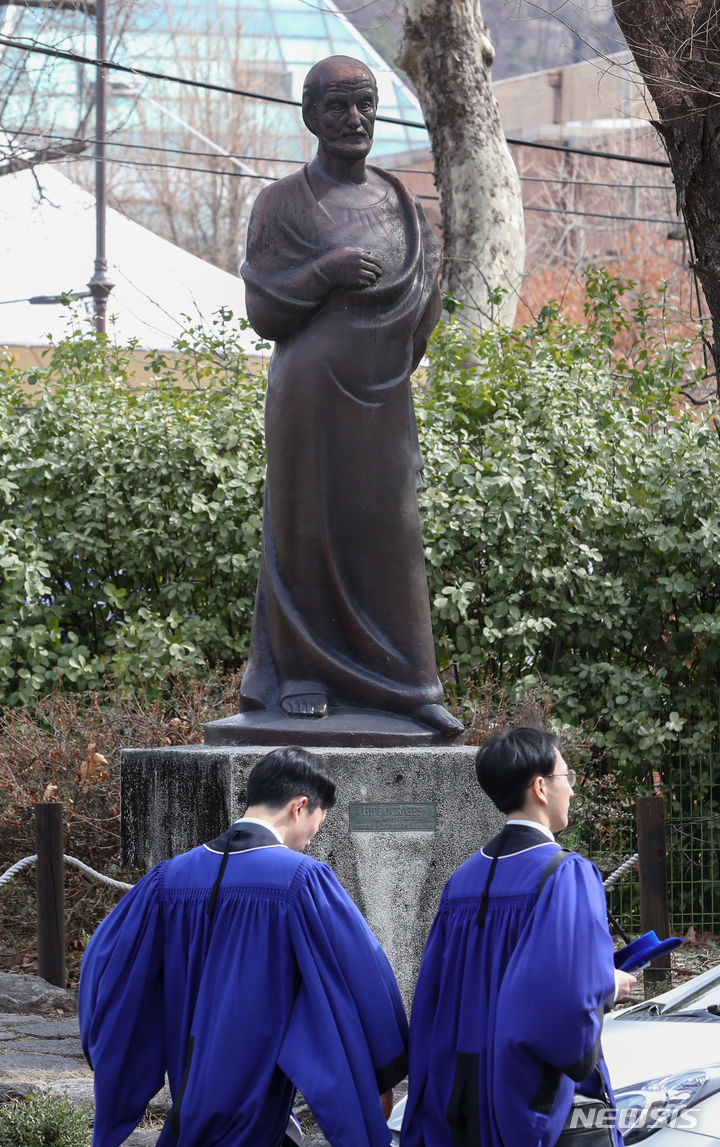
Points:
[28,860]
[15,868]
[619,872]
[98,875]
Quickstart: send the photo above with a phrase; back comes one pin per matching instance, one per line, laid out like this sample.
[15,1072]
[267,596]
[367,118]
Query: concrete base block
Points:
[405,819]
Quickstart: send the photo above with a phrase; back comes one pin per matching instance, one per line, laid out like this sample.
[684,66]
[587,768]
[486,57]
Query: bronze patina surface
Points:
[341,273]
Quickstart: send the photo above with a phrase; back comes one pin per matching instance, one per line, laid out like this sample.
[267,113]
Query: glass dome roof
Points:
[277,42]
[264,46]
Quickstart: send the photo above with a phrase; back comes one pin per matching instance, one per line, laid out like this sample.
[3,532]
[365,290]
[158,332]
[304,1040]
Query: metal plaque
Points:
[392,818]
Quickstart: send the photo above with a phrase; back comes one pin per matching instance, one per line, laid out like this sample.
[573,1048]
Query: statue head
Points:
[339,105]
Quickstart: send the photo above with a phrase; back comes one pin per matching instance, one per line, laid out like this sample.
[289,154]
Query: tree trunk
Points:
[676,45]
[447,54]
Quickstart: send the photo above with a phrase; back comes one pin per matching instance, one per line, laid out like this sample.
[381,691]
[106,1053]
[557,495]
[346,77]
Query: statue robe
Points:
[342,602]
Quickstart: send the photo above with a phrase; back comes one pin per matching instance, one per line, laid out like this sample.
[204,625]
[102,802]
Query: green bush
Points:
[570,517]
[43,1121]
[570,513]
[572,524]
[130,536]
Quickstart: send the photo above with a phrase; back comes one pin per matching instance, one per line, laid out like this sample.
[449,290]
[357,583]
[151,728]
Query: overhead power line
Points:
[597,183]
[114,66]
[207,85]
[600,215]
[589,151]
[111,141]
[570,181]
[179,167]
[428,198]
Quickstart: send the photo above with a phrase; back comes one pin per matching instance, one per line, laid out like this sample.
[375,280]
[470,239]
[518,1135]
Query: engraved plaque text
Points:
[392,817]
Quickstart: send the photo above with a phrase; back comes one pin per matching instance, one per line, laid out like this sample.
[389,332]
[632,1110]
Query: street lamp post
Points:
[100,285]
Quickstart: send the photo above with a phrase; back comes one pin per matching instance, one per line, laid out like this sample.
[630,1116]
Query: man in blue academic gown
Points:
[244,971]
[517,971]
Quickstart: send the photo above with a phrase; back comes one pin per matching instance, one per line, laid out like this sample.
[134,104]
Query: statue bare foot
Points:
[437,717]
[305,705]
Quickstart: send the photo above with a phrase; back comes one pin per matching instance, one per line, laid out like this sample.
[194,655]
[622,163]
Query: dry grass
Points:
[66,747]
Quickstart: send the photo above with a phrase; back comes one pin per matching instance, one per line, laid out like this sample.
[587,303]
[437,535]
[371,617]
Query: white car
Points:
[664,1062]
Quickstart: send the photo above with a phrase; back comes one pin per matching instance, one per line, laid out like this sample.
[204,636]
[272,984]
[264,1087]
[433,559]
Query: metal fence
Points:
[692,812]
[693,846]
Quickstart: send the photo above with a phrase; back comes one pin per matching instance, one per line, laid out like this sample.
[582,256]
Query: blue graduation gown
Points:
[507,1016]
[284,986]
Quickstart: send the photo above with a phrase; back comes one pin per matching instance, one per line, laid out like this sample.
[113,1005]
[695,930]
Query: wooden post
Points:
[50,892]
[652,865]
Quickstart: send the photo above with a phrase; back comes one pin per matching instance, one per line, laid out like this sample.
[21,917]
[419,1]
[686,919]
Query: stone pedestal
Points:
[405,819]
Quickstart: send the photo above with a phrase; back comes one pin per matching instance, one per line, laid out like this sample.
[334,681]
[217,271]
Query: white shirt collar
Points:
[264,823]
[533,824]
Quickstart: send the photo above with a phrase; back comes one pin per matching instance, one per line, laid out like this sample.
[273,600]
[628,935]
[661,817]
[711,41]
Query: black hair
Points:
[317,80]
[508,762]
[291,772]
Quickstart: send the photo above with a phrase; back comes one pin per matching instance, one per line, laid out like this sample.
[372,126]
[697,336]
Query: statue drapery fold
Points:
[342,604]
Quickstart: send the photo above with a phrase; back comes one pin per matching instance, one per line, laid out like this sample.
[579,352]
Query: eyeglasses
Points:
[570,774]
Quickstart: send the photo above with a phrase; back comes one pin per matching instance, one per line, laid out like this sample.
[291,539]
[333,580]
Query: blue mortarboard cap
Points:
[643,950]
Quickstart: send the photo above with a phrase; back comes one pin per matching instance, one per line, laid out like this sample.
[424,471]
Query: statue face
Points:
[345,116]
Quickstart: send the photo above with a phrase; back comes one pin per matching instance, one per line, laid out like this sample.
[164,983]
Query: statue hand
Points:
[350,268]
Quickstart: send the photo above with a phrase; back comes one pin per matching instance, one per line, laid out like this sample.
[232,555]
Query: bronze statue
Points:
[341,273]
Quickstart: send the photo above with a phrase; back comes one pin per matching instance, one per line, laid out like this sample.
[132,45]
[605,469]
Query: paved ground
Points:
[40,1047]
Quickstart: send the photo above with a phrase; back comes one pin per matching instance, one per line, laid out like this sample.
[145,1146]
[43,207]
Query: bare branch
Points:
[86,6]
[44,155]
